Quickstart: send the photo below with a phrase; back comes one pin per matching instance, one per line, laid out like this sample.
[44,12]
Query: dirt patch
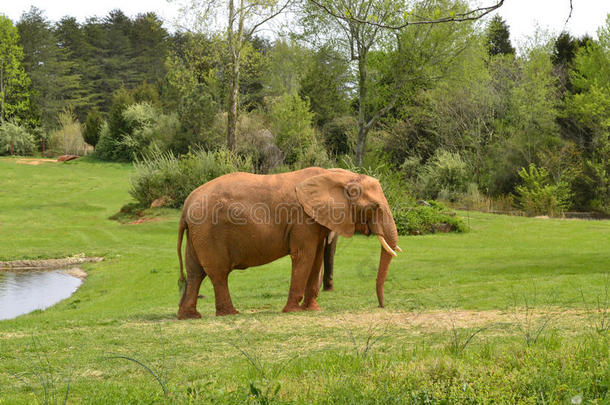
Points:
[144,220]
[35,162]
[77,272]
[47,263]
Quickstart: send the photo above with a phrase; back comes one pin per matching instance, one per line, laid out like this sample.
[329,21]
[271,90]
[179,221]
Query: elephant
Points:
[240,220]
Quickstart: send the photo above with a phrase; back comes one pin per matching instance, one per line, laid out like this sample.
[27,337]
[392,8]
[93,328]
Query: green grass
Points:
[508,276]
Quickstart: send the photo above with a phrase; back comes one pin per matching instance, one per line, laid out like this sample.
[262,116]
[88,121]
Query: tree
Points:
[55,85]
[243,21]
[590,106]
[14,82]
[291,124]
[325,84]
[357,27]
[498,37]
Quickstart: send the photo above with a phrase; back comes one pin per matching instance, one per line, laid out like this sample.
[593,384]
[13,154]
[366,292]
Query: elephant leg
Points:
[195,275]
[330,247]
[224,305]
[302,262]
[313,282]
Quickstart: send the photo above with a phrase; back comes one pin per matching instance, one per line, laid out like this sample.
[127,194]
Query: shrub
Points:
[339,135]
[257,142]
[145,129]
[15,139]
[424,219]
[162,174]
[537,196]
[445,175]
[68,138]
[93,126]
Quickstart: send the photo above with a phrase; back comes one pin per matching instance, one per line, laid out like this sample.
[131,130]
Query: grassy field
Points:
[515,311]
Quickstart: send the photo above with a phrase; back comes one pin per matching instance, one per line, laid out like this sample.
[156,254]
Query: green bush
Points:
[538,196]
[163,175]
[445,175]
[423,219]
[15,139]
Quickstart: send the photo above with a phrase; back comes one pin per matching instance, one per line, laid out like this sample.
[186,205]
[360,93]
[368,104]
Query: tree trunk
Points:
[362,100]
[12,148]
[233,100]
[234,49]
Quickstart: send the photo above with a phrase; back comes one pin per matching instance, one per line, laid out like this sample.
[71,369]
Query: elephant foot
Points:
[192,314]
[229,311]
[328,288]
[312,306]
[293,308]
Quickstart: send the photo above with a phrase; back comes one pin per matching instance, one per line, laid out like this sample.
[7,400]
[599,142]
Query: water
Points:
[24,292]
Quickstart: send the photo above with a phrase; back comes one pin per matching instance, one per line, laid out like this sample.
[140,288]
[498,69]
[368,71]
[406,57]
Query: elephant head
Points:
[344,202]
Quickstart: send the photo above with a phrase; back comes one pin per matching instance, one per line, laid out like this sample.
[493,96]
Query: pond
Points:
[24,292]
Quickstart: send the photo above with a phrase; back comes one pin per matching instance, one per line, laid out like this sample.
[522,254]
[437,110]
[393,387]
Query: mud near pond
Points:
[47,264]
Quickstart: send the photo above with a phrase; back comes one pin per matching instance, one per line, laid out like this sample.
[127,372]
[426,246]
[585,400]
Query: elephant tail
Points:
[181,228]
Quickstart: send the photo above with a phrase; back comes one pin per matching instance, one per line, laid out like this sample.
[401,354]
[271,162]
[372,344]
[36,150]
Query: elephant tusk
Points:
[385,245]
[398,249]
[330,237]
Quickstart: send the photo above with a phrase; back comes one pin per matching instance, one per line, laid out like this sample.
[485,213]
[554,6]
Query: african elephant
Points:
[241,220]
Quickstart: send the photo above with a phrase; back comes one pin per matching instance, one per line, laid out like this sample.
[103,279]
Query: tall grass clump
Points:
[68,137]
[164,175]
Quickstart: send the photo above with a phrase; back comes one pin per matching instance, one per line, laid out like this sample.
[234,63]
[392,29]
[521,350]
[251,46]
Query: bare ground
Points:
[47,263]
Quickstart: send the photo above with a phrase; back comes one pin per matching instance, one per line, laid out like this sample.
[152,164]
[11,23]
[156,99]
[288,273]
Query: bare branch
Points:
[569,16]
[471,15]
[268,18]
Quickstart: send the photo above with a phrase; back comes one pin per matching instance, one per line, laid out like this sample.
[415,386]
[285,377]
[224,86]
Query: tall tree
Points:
[14,82]
[244,18]
[498,37]
[359,26]
[55,85]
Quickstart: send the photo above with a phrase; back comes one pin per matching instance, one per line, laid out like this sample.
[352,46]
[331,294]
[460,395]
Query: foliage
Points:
[424,219]
[446,175]
[14,82]
[93,127]
[538,196]
[163,175]
[324,84]
[339,135]
[15,139]
[55,83]
[291,123]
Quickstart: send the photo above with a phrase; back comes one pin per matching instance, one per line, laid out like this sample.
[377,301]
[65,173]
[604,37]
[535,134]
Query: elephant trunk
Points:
[389,243]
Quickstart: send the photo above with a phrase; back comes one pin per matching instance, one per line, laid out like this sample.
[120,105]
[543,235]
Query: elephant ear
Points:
[327,198]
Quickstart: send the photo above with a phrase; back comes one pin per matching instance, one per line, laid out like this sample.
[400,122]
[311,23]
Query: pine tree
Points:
[498,37]
[54,85]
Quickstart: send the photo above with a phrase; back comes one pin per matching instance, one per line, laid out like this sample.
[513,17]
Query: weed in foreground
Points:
[44,380]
